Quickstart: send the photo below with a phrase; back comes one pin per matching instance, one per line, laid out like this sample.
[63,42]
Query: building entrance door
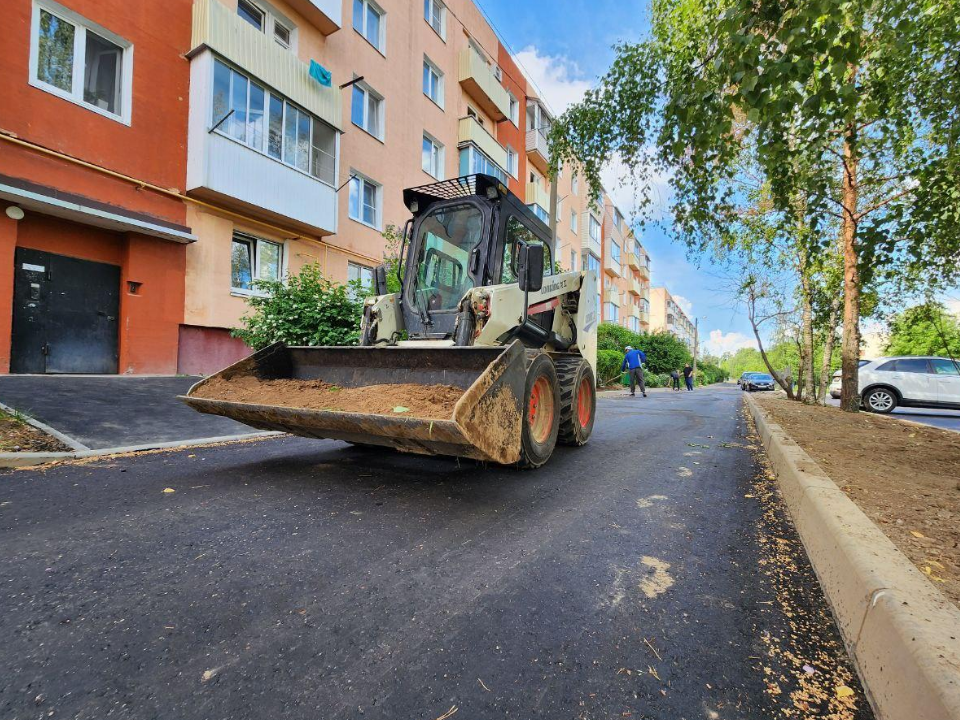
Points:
[65,314]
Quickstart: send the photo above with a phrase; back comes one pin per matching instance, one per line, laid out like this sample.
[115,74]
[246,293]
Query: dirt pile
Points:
[402,400]
[905,477]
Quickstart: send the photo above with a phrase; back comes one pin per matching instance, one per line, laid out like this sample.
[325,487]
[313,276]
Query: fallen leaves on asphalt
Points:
[169,490]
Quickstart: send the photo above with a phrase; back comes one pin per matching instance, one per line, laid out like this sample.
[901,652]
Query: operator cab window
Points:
[448,235]
[517,232]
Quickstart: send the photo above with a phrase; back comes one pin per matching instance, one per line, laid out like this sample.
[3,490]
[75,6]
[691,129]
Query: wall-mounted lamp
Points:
[15,213]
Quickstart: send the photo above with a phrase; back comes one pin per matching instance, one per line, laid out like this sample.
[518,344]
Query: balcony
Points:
[643,269]
[479,82]
[644,317]
[587,242]
[537,150]
[325,15]
[633,262]
[470,131]
[217,29]
[537,194]
[633,311]
[634,287]
[612,268]
[612,295]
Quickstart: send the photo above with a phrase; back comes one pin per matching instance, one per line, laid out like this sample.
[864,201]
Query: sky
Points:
[564,46]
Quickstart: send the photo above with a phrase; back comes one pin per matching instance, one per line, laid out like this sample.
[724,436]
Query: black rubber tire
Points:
[571,373]
[874,395]
[533,454]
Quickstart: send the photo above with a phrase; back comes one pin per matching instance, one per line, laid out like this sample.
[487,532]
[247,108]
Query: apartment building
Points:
[626,271]
[92,139]
[667,316]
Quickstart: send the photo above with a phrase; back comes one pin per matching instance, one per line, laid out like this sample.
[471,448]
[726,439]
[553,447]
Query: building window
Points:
[573,260]
[514,109]
[475,115]
[435,13]
[432,82]
[513,161]
[615,253]
[80,61]
[611,313]
[264,20]
[360,274]
[472,161]
[253,259]
[366,110]
[594,229]
[575,184]
[573,219]
[251,13]
[634,324]
[281,33]
[364,204]
[368,21]
[271,124]
[559,213]
[432,160]
[593,262]
[617,219]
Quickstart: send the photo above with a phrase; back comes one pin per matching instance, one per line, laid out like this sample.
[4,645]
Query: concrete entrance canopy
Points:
[50,201]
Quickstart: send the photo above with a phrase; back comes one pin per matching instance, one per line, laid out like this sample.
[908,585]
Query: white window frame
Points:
[428,7]
[256,241]
[573,219]
[559,213]
[381,46]
[593,223]
[575,184]
[81,25]
[360,272]
[573,260]
[514,109]
[513,161]
[428,64]
[272,19]
[438,156]
[381,110]
[378,210]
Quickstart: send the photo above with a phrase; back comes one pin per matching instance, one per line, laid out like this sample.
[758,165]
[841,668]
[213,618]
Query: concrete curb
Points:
[903,635]
[27,459]
[43,427]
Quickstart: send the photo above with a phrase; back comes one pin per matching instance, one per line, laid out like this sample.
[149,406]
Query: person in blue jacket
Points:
[633,363]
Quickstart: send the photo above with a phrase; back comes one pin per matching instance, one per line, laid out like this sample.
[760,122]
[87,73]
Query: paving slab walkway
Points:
[114,411]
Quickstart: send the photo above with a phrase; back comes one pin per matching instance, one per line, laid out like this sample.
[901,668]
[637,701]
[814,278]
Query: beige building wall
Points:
[392,160]
[667,316]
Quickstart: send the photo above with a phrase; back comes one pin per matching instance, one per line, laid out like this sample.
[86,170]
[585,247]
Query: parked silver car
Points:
[907,381]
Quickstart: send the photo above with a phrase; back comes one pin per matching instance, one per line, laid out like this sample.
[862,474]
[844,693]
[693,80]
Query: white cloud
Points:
[721,342]
[684,304]
[953,305]
[557,77]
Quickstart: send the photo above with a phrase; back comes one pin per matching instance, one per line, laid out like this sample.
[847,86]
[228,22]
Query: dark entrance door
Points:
[64,314]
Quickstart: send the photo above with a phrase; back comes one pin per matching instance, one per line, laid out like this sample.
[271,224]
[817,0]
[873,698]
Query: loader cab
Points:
[464,234]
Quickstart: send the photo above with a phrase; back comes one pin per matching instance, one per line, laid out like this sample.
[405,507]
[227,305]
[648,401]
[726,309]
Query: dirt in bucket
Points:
[402,399]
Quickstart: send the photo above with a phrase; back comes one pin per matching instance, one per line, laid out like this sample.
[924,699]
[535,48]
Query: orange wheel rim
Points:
[540,411]
[584,395]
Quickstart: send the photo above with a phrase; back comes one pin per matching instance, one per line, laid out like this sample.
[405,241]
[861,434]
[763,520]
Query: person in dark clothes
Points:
[675,376]
[688,376]
[633,362]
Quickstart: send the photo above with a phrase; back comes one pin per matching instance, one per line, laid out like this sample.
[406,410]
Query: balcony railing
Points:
[633,261]
[644,317]
[635,287]
[471,131]
[216,28]
[537,194]
[538,151]
[481,84]
[612,267]
[612,295]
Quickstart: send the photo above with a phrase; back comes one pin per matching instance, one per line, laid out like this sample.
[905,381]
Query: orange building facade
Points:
[92,259]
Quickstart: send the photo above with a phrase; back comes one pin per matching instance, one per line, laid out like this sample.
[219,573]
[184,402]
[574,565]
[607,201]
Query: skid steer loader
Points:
[481,308]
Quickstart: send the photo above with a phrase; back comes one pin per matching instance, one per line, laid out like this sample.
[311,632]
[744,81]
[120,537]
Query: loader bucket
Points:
[484,423]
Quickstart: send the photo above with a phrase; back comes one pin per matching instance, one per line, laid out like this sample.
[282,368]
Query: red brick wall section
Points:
[204,351]
[150,318]
[507,132]
[151,148]
[8,243]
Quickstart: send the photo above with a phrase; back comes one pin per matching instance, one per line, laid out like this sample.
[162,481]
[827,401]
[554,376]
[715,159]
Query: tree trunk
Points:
[850,348]
[806,350]
[784,382]
[828,344]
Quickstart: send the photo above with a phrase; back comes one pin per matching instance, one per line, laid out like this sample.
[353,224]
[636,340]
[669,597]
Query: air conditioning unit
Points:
[498,73]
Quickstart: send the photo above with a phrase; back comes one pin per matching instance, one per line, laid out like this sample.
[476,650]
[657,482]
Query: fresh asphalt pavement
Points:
[650,574]
[102,411]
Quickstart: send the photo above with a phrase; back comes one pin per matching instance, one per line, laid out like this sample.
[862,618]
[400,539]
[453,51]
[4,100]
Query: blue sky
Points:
[564,46]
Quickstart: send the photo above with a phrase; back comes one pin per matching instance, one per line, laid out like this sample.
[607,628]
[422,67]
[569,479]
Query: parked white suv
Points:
[885,383]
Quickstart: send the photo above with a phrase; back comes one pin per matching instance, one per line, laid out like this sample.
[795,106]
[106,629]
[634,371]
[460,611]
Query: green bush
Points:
[307,309]
[664,352]
[608,367]
[708,373]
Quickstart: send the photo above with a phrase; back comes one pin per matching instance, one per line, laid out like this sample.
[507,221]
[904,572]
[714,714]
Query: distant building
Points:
[667,316]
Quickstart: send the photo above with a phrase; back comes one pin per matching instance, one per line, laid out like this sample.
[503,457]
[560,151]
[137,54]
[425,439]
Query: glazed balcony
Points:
[471,131]
[537,194]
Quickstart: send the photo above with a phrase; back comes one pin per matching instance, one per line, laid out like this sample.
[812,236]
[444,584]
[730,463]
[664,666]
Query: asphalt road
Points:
[649,574]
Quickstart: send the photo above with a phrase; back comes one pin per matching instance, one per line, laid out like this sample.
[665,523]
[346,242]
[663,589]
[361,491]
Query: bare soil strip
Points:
[17,436]
[905,477]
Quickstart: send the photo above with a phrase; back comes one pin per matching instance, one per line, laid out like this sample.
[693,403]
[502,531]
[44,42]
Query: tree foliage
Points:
[926,329]
[664,351]
[306,309]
